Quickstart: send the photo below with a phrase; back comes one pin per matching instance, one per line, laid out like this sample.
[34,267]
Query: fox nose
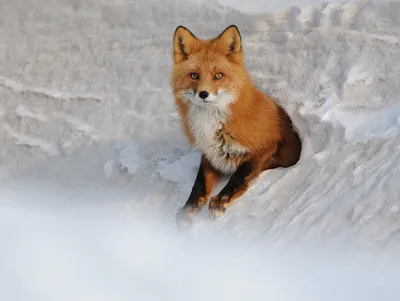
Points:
[203,94]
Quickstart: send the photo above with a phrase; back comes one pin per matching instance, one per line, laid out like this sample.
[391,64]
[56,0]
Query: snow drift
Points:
[94,164]
[111,255]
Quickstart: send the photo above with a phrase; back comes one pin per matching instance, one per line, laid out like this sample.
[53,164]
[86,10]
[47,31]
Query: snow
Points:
[108,254]
[94,163]
[267,6]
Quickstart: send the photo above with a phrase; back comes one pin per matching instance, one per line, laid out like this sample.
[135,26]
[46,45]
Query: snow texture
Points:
[94,163]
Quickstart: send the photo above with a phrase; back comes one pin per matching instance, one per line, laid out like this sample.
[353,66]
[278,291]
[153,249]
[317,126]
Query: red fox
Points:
[239,130]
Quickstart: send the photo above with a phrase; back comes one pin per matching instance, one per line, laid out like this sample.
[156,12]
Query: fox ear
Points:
[230,43]
[184,43]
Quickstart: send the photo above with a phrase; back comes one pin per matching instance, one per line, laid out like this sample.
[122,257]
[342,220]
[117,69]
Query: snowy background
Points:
[94,164]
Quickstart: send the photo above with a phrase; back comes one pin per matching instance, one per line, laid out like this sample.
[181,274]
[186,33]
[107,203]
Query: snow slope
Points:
[94,164]
[335,69]
[109,255]
[266,6]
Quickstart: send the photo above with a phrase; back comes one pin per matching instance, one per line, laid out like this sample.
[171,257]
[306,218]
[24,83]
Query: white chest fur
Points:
[205,123]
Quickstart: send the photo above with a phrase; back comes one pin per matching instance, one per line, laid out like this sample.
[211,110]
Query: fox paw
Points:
[185,215]
[218,205]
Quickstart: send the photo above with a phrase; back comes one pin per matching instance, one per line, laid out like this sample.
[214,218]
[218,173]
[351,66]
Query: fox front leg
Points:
[236,186]
[206,178]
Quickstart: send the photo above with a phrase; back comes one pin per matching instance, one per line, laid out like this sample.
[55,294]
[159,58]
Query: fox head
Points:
[208,72]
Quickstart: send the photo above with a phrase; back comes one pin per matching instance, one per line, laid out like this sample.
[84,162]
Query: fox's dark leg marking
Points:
[205,181]
[237,180]
[237,185]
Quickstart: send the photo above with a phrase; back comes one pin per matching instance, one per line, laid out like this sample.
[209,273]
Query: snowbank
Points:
[94,164]
[111,255]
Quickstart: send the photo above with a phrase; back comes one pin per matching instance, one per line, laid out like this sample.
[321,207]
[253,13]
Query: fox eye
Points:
[218,76]
[194,75]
